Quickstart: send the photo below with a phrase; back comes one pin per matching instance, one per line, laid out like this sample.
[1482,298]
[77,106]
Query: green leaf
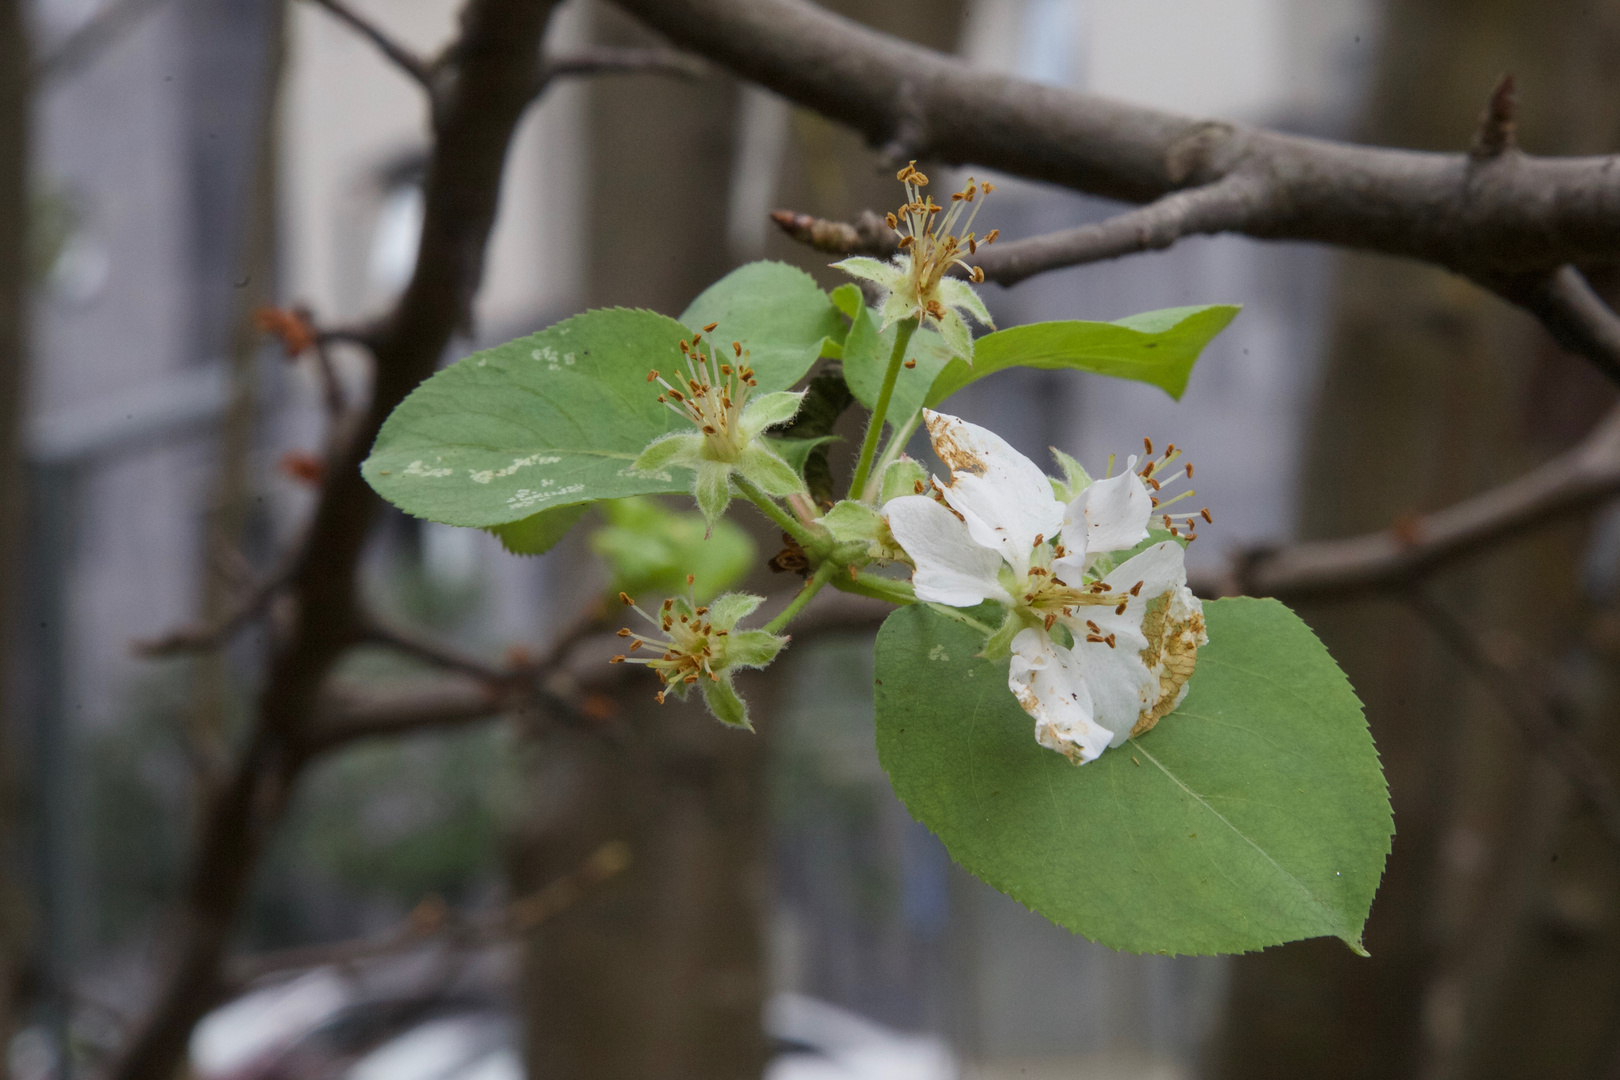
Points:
[777,311]
[1254,814]
[538,534]
[1156,347]
[650,550]
[557,418]
[866,361]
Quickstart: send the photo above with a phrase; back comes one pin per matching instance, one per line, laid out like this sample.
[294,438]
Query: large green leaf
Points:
[777,311]
[556,418]
[1254,814]
[1156,347]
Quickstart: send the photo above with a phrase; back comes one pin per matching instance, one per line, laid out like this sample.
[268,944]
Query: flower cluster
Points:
[933,239]
[699,645]
[725,439]
[1100,651]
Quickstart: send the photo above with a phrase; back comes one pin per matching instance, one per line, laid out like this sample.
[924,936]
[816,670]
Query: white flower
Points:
[914,281]
[714,396]
[997,532]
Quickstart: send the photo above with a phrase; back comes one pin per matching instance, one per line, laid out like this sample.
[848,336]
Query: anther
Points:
[624,598]
[1121,609]
[917,486]
[1093,627]
[990,237]
[617,660]
[909,364]
[1039,539]
[634,645]
[1204,513]
[1136,590]
[1051,619]
[1147,444]
[736,347]
[1110,640]
[624,631]
[710,328]
[1189,470]
[978,271]
[651,375]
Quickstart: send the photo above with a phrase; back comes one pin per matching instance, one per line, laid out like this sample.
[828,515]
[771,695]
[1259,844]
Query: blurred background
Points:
[194,160]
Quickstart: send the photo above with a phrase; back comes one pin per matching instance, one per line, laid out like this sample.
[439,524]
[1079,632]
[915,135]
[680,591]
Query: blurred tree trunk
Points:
[1435,391]
[662,972]
[14,264]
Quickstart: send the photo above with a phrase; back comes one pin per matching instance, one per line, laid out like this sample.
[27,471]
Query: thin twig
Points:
[1223,206]
[401,56]
[1574,314]
[1535,716]
[1576,481]
[380,631]
[202,637]
[429,924]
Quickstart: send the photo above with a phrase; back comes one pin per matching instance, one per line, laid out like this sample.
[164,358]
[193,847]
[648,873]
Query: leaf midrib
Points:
[1309,894]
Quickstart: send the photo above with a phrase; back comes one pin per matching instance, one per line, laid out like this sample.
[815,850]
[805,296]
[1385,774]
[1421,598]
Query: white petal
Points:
[1121,684]
[959,294]
[951,568]
[1111,514]
[1049,686]
[1004,496]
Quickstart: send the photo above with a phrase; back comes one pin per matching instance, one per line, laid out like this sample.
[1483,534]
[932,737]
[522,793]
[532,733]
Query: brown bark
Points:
[1434,393]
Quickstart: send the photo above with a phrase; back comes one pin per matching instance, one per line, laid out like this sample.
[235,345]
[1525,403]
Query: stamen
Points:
[1204,513]
[710,328]
[1147,444]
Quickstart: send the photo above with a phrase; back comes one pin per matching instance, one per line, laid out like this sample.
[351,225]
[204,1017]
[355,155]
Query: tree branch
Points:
[382,632]
[1499,215]
[402,57]
[1536,718]
[1571,483]
[202,637]
[1571,310]
[1223,206]
[350,714]
[613,60]
[427,924]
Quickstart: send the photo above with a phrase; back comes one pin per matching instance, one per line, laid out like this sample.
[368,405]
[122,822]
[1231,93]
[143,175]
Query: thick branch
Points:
[1535,717]
[1498,214]
[613,60]
[1570,483]
[400,56]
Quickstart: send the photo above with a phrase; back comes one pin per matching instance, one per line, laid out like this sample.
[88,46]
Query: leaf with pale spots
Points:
[1156,347]
[558,418]
[1256,813]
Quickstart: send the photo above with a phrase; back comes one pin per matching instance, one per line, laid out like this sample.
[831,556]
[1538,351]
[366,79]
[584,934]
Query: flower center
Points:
[688,649]
[713,395]
[935,236]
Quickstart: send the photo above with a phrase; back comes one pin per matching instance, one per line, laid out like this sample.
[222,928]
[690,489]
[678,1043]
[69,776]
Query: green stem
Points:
[874,424]
[896,445]
[811,587]
[767,505]
[877,588]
